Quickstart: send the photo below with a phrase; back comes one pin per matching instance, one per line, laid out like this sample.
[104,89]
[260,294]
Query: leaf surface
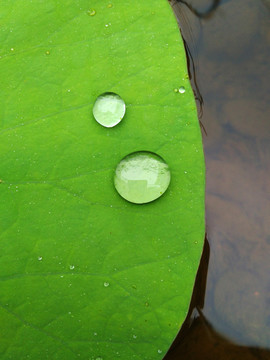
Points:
[85,274]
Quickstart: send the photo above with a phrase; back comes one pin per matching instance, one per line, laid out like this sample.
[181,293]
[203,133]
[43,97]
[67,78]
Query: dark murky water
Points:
[229,49]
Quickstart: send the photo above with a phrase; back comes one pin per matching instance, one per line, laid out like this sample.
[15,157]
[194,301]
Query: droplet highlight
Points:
[109,109]
[142,177]
[106,284]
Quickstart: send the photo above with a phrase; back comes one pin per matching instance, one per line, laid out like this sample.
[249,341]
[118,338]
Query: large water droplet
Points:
[109,109]
[142,177]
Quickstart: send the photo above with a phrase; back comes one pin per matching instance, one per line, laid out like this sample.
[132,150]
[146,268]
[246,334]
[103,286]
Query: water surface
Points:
[228,44]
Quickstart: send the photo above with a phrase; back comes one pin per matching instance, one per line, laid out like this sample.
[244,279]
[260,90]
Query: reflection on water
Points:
[229,51]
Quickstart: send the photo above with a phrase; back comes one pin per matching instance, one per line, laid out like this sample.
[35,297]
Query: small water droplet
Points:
[39,258]
[106,284]
[146,304]
[134,336]
[95,334]
[109,6]
[134,287]
[72,267]
[109,109]
[11,49]
[182,89]
[47,52]
[99,358]
[142,177]
[176,90]
[91,12]
[159,351]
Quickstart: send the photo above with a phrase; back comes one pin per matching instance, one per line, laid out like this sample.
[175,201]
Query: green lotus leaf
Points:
[85,274]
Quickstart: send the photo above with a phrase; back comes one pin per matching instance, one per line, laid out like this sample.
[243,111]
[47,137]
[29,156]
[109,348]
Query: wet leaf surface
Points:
[84,273]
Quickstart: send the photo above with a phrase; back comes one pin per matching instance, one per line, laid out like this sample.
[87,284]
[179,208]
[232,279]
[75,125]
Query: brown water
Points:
[229,50]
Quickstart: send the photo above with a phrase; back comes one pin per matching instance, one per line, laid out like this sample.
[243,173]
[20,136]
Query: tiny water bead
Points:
[91,12]
[182,90]
[106,284]
[142,177]
[109,109]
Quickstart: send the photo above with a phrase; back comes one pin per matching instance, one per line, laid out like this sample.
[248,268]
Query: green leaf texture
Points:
[85,274]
